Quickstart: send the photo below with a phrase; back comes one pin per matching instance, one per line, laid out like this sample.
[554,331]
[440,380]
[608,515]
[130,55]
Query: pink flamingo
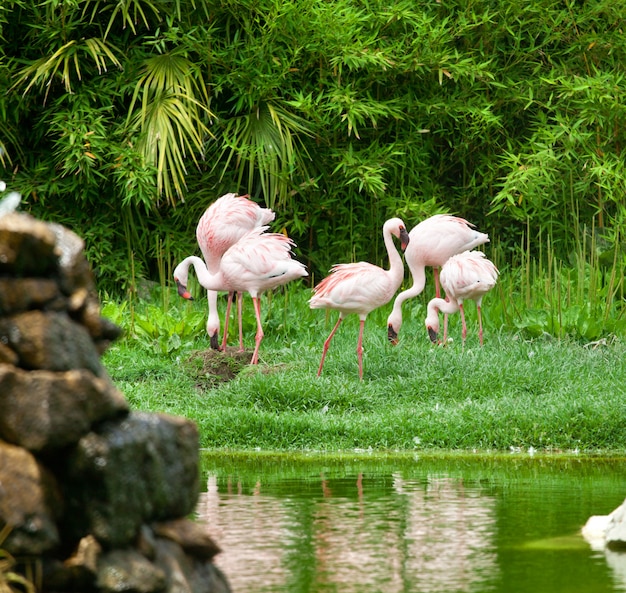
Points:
[468,275]
[432,242]
[224,222]
[361,287]
[258,262]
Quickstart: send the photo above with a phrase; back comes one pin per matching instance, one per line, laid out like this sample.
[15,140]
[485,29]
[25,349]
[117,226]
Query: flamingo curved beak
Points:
[432,334]
[182,290]
[404,238]
[214,342]
[392,335]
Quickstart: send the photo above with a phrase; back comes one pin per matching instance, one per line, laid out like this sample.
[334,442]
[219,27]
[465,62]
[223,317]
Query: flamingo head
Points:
[213,327]
[398,229]
[181,272]
[432,325]
[404,238]
[182,290]
[394,322]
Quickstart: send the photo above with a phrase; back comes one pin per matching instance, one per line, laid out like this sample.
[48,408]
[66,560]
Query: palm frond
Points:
[131,12]
[64,63]
[266,147]
[171,119]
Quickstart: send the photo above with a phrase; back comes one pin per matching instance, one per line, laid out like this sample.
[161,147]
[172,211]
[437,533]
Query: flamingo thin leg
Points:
[239,316]
[464,331]
[226,319]
[480,325]
[256,301]
[327,344]
[436,277]
[359,348]
[438,295]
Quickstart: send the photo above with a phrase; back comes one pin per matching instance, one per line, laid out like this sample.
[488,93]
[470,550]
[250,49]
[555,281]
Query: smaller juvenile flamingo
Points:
[223,223]
[258,262]
[466,276]
[361,287]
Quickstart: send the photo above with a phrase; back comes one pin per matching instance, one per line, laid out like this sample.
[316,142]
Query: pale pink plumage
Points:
[258,262]
[361,287]
[432,242]
[224,222]
[466,276]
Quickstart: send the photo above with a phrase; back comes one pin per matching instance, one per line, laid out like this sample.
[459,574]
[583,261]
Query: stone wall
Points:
[94,496]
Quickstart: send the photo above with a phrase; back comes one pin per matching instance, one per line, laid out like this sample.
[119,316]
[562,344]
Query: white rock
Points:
[594,530]
[615,533]
[603,531]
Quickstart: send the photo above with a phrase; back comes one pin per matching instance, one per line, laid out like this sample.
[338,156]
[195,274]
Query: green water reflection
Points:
[408,523]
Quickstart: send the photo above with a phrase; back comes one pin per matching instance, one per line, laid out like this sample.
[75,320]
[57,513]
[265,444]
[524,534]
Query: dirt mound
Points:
[213,366]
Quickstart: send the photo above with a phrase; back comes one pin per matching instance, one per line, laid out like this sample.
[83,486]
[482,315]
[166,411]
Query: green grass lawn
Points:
[544,393]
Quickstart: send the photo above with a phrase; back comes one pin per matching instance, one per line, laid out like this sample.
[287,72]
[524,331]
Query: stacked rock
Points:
[93,496]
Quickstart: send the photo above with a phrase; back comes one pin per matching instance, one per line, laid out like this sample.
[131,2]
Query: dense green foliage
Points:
[515,392]
[11,581]
[125,119]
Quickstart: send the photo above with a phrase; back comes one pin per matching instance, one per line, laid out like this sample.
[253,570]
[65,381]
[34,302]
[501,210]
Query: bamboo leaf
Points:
[43,71]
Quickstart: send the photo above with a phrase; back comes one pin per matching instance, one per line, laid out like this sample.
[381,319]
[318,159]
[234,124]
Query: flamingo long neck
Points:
[396,267]
[441,305]
[208,281]
[213,320]
[419,281]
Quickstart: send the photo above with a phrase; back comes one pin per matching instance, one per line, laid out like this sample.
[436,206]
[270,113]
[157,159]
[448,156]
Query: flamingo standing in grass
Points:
[361,287]
[432,242]
[468,275]
[258,262]
[224,222]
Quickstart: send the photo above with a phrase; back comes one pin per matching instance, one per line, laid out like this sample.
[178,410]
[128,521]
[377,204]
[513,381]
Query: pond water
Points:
[411,523]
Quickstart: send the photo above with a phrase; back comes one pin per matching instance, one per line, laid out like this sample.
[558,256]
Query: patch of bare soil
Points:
[212,366]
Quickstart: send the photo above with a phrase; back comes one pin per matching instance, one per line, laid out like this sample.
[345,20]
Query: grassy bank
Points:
[515,392]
